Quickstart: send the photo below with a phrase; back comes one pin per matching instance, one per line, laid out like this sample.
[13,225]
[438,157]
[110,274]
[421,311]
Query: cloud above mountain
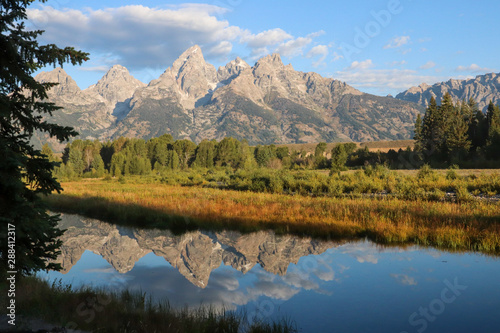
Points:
[474,68]
[137,36]
[364,74]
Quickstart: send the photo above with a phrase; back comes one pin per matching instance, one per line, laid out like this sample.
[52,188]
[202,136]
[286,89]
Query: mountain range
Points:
[482,88]
[266,103]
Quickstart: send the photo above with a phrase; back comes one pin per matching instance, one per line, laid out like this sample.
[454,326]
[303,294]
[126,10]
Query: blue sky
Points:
[378,46]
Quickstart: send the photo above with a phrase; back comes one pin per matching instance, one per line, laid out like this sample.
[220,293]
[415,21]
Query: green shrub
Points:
[451,174]
[275,184]
[426,173]
[196,179]
[259,184]
[463,195]
[437,195]
[409,190]
[334,187]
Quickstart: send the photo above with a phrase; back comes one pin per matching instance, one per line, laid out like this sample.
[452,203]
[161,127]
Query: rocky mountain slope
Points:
[94,110]
[266,103]
[195,254]
[483,89]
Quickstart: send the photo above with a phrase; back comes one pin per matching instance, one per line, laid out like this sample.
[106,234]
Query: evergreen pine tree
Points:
[457,136]
[493,118]
[25,173]
[419,142]
[476,126]
[493,141]
[432,130]
[446,116]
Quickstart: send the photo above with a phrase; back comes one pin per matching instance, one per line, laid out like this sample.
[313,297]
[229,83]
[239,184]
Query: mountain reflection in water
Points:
[324,286]
[195,254]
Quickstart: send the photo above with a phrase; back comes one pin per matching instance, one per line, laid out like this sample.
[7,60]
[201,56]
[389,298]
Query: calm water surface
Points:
[324,286]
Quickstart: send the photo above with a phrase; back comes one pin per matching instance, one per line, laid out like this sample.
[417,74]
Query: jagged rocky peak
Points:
[419,88]
[66,85]
[482,89]
[188,82]
[191,55]
[232,70]
[274,59]
[238,63]
[191,66]
[117,85]
[268,64]
[424,86]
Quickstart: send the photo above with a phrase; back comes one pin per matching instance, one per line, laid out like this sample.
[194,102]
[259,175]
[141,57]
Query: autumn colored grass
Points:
[468,225]
[373,146]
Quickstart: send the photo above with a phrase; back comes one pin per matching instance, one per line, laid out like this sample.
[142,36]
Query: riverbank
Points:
[89,309]
[465,225]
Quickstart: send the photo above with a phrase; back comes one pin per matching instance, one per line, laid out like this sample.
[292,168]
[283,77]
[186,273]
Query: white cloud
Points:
[398,63]
[272,289]
[141,37]
[473,68]
[337,56]
[265,38]
[404,279]
[428,65]
[397,42]
[360,65]
[369,258]
[300,281]
[295,47]
[102,68]
[320,51]
[221,49]
[383,80]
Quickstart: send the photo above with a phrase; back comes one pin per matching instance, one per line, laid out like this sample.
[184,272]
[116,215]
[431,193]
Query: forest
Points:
[458,133]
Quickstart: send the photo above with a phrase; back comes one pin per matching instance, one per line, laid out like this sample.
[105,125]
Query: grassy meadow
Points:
[384,206]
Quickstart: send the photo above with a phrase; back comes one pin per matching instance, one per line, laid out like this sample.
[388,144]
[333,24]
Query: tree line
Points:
[132,156]
[453,133]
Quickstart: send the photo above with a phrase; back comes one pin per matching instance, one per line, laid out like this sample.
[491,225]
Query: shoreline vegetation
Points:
[446,211]
[89,309]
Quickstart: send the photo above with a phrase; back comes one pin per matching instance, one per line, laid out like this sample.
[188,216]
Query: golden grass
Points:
[374,146]
[460,226]
[440,172]
[385,146]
